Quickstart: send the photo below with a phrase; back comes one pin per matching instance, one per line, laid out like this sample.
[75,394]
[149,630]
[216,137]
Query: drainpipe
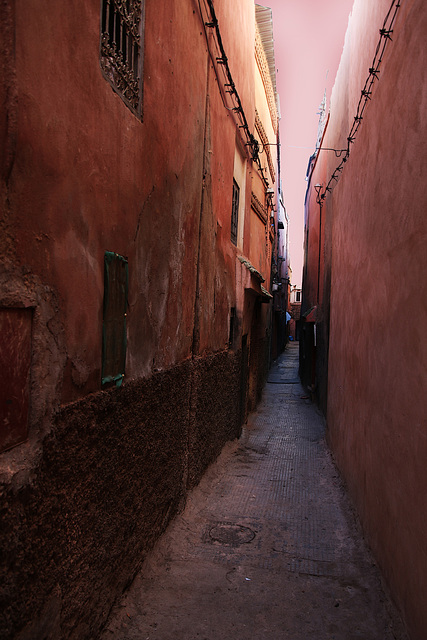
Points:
[318,188]
[195,345]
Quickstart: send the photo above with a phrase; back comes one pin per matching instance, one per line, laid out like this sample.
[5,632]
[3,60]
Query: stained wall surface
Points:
[378,290]
[105,468]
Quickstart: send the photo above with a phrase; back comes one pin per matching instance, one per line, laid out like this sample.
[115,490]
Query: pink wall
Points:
[378,311]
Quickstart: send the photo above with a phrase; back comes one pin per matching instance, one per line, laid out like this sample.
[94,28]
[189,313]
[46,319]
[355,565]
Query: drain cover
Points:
[231,534]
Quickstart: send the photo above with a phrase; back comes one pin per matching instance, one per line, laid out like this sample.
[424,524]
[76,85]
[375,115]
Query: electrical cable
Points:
[366,92]
[230,88]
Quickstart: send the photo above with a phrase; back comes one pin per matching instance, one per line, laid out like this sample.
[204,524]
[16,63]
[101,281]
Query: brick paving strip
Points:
[268,546]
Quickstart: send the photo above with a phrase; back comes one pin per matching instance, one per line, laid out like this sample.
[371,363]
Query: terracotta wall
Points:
[104,470]
[88,177]
[378,313]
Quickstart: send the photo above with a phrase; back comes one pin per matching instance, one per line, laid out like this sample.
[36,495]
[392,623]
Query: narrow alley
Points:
[268,546]
[158,479]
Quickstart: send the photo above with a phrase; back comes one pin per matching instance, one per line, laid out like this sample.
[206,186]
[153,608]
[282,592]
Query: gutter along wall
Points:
[374,246]
[103,469]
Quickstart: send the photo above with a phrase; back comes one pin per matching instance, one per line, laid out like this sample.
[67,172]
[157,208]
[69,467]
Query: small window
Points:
[121,49]
[235,212]
[297,296]
[114,320]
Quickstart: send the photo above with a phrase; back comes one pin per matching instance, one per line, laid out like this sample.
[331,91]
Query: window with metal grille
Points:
[235,212]
[121,49]
[114,339]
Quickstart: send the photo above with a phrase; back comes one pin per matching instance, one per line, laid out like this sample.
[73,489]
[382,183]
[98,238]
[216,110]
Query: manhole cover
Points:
[231,534]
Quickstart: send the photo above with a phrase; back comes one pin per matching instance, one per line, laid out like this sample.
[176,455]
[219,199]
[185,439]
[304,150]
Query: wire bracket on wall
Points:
[366,93]
[338,152]
[386,33]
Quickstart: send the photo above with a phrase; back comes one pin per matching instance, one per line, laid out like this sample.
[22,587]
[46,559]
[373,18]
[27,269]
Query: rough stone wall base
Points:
[114,471]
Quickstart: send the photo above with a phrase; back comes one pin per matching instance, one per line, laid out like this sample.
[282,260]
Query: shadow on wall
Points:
[114,471]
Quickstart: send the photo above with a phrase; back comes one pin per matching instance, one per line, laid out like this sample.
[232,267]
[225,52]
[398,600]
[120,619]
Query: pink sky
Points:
[308,41]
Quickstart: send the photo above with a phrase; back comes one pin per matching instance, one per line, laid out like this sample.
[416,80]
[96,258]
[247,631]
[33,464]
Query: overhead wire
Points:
[366,93]
[221,59]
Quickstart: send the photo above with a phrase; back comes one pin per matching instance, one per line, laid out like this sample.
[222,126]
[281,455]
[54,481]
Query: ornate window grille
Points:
[121,49]
[235,212]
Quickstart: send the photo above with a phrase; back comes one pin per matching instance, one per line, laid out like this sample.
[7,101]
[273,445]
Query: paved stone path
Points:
[268,547]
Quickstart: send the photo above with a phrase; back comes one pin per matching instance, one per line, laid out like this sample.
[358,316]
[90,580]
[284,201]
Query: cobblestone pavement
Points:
[267,547]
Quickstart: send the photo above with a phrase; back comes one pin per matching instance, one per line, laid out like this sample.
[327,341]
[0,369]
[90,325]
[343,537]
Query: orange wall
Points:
[81,175]
[88,176]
